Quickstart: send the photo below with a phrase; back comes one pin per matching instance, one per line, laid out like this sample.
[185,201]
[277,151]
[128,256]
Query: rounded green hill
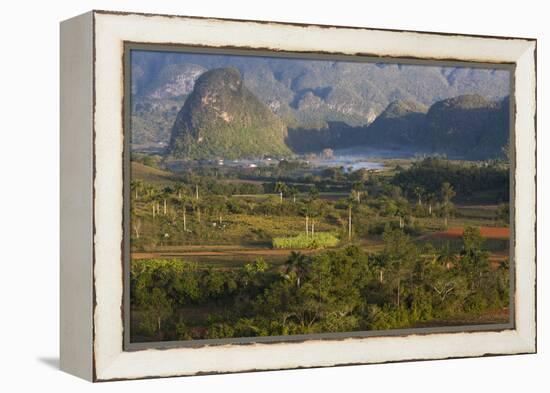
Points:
[221,118]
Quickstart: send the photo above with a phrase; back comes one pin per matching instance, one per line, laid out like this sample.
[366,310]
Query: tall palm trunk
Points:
[349,223]
[398,291]
[184,220]
[137,227]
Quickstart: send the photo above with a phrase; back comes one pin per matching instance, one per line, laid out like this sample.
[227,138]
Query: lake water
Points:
[361,157]
[351,159]
[350,163]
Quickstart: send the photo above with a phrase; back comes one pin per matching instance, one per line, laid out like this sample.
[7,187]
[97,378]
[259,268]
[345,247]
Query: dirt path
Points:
[238,251]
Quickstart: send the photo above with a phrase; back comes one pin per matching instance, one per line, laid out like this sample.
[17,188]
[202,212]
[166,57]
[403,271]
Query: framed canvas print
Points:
[245,195]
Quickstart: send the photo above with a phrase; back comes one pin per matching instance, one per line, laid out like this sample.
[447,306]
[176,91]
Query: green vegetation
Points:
[221,118]
[341,290]
[290,248]
[466,126]
[247,218]
[398,124]
[301,241]
[470,125]
[476,181]
[152,120]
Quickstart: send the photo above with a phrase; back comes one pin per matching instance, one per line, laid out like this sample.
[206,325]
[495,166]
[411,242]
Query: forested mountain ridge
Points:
[305,94]
[468,126]
[221,118]
[398,125]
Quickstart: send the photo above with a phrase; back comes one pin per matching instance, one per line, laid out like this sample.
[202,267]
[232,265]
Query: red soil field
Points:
[495,257]
[486,232]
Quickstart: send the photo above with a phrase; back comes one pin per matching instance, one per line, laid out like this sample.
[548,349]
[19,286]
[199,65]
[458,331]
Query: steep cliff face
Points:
[222,118]
[174,80]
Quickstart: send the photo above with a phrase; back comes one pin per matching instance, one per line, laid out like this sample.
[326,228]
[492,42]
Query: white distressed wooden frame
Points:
[92,195]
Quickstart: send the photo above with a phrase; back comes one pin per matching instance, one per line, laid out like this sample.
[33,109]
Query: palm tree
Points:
[350,202]
[182,203]
[306,212]
[297,263]
[313,194]
[184,210]
[309,207]
[221,209]
[165,195]
[419,192]
[281,188]
[446,256]
[317,214]
[430,200]
[314,214]
[136,224]
[179,188]
[357,190]
[401,212]
[293,191]
[447,193]
[154,197]
[136,186]
[195,205]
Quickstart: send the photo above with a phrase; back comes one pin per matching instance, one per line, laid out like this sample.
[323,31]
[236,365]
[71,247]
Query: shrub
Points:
[220,330]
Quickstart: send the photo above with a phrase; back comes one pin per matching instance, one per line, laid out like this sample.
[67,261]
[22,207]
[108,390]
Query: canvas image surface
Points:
[282,196]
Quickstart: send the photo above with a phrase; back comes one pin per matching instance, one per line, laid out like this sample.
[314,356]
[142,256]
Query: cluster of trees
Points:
[333,291]
[150,160]
[424,178]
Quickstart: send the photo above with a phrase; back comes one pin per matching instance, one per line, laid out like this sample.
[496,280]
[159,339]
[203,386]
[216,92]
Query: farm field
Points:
[235,240]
